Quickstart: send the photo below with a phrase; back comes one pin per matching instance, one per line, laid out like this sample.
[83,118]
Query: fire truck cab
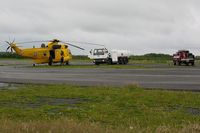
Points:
[184,57]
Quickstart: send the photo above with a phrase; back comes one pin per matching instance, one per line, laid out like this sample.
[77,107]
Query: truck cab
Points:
[183,57]
[99,53]
[103,55]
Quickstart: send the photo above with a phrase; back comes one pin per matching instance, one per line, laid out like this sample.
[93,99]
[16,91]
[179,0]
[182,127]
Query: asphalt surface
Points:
[179,78]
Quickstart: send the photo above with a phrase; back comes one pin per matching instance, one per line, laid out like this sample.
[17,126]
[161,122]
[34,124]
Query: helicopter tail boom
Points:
[12,46]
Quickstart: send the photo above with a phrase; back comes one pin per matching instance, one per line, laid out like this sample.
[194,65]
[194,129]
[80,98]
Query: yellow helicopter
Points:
[55,51]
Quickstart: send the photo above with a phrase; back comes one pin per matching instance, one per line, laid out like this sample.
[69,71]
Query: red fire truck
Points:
[183,57]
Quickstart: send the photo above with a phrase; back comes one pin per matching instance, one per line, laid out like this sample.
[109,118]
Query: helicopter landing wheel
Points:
[109,61]
[50,61]
[67,63]
[61,61]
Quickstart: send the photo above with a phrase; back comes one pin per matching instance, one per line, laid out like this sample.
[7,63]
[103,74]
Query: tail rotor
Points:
[10,45]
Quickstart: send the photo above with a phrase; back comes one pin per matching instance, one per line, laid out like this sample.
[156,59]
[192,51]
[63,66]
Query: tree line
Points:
[151,56]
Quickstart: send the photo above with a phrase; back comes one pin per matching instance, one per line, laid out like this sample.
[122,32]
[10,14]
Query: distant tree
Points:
[151,56]
[9,55]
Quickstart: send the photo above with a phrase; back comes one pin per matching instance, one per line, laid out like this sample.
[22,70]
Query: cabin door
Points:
[52,53]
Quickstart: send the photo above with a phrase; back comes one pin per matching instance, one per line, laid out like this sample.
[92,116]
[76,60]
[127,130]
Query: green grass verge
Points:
[113,107]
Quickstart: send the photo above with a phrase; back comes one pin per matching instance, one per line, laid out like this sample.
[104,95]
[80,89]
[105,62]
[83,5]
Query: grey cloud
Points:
[141,26]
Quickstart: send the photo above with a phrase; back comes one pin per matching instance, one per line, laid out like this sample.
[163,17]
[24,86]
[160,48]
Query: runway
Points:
[183,78]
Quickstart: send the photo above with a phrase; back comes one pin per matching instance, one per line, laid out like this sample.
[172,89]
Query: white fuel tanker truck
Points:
[103,55]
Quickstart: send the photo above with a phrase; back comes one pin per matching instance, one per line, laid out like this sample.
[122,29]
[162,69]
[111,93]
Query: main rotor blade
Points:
[38,41]
[87,43]
[73,45]
[33,42]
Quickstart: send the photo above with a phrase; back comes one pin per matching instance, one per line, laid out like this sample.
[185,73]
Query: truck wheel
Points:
[96,63]
[174,63]
[120,61]
[126,60]
[123,61]
[179,63]
[110,61]
[50,61]
[192,63]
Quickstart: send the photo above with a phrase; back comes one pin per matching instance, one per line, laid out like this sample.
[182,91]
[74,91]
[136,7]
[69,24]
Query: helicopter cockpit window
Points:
[56,46]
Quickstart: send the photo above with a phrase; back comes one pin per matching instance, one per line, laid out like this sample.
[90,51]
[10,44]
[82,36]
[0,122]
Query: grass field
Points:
[65,108]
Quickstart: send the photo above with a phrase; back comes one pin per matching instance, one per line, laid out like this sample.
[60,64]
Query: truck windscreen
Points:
[99,52]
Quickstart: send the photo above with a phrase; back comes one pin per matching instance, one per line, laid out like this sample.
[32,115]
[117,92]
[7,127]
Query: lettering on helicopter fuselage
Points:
[35,54]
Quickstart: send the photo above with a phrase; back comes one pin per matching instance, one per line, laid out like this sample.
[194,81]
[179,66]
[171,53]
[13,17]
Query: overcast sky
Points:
[142,26]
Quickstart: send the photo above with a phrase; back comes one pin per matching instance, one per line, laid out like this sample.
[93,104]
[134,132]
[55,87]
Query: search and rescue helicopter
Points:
[55,51]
